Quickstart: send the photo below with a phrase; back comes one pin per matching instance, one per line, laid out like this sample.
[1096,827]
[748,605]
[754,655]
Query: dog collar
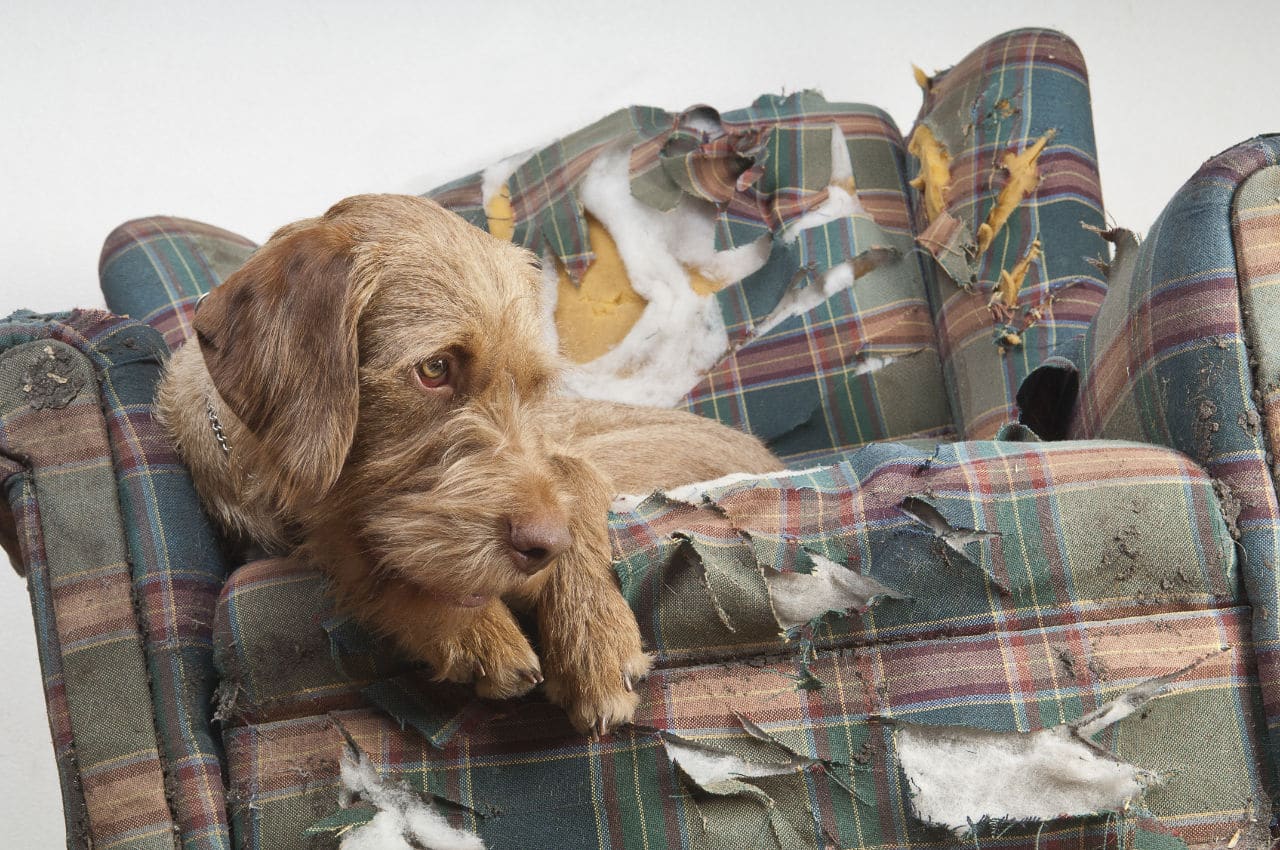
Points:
[216,424]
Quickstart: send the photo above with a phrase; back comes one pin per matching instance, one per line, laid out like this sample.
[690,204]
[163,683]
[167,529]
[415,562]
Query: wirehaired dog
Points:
[373,389]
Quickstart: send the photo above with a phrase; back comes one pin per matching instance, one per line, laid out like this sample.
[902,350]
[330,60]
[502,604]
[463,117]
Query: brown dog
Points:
[373,388]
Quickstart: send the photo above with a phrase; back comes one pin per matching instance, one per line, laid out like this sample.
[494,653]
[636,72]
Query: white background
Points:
[249,115]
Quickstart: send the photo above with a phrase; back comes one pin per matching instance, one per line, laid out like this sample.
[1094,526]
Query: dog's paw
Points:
[493,654]
[596,686]
[513,675]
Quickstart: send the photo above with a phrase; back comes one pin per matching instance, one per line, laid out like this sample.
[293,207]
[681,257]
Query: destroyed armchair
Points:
[1020,588]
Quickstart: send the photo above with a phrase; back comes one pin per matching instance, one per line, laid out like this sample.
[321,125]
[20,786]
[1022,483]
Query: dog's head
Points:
[388,360]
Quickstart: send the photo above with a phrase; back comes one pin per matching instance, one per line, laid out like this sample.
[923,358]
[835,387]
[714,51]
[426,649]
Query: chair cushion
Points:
[1013,587]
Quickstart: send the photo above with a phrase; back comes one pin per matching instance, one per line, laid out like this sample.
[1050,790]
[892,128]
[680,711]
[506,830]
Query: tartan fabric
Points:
[21,499]
[1255,225]
[1085,591]
[154,269]
[811,386]
[1001,99]
[124,576]
[814,386]
[1168,361]
[544,201]
[75,552]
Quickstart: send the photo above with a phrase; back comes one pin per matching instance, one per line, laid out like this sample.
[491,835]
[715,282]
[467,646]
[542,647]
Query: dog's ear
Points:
[279,341]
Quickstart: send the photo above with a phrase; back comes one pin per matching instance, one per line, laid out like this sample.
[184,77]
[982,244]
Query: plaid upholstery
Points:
[1168,362]
[1001,98]
[807,387]
[128,695]
[1085,590]
[1095,566]
[1255,223]
[804,387]
[154,269]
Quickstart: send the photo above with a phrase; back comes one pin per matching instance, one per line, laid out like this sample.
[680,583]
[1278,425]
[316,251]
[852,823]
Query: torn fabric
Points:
[961,776]
[800,598]
[398,818]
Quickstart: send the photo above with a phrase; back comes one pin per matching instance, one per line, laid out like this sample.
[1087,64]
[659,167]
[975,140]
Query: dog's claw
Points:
[626,683]
[532,678]
[480,674]
[603,728]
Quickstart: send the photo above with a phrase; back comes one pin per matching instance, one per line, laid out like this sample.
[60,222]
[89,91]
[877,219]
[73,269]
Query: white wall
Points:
[249,116]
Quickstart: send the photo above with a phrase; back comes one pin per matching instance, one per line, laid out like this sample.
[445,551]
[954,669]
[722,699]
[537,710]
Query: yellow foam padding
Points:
[922,79]
[934,178]
[1006,291]
[499,216]
[594,316]
[1024,175]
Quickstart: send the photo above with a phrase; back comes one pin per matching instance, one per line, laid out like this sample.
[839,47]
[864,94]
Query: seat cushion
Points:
[809,620]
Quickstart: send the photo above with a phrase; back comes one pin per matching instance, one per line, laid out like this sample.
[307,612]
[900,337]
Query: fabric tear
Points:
[1004,297]
[722,769]
[676,335]
[718,771]
[934,179]
[957,539]
[961,776]
[383,815]
[800,598]
[950,241]
[1023,172]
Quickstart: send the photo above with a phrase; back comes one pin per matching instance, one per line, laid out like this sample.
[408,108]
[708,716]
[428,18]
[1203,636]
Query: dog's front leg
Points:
[483,645]
[592,655]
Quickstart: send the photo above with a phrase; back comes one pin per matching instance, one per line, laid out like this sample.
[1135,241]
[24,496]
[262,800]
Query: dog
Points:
[373,391]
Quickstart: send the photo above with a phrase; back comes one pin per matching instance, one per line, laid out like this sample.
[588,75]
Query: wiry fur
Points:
[407,497]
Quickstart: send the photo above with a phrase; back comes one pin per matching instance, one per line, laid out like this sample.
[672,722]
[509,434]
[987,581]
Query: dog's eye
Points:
[434,372]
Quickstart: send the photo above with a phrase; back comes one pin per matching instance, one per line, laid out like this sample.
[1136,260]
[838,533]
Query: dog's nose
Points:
[536,541]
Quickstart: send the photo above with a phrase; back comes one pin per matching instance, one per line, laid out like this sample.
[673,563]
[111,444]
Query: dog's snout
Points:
[536,541]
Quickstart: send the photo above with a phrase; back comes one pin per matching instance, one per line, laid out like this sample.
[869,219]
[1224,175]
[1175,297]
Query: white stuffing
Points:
[694,494]
[550,296]
[405,820]
[680,334]
[493,178]
[960,775]
[799,598]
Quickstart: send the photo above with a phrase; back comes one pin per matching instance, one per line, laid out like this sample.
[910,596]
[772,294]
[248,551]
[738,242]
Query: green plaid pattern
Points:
[154,269]
[808,386]
[49,388]
[1001,98]
[124,573]
[811,387]
[544,200]
[1168,361]
[1083,589]
[1255,223]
